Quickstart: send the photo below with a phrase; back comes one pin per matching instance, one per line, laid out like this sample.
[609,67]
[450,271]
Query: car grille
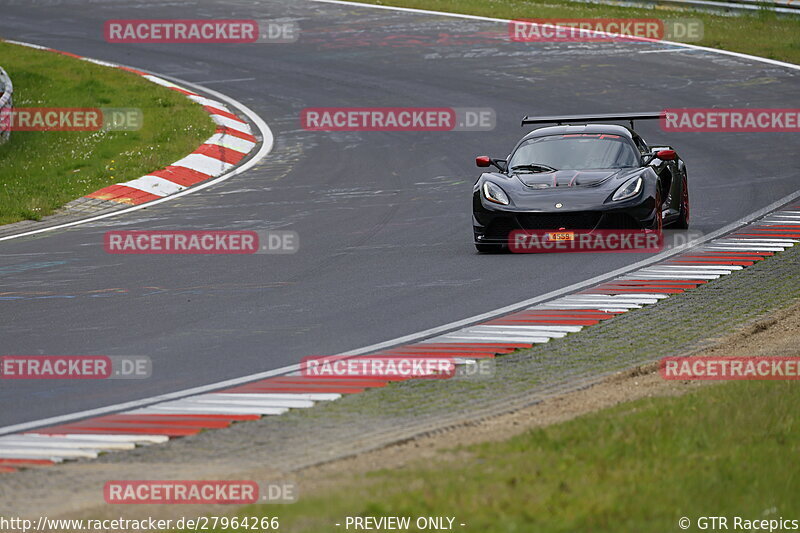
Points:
[619,221]
[498,230]
[553,221]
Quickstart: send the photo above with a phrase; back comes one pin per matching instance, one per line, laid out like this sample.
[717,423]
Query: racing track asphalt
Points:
[383,218]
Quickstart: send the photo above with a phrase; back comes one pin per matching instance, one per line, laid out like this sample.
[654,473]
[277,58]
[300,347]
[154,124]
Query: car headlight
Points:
[494,193]
[629,190]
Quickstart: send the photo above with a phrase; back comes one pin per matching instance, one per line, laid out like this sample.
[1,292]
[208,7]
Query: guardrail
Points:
[6,105]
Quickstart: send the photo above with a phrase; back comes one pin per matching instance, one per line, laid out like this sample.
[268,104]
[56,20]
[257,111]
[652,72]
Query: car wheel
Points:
[683,217]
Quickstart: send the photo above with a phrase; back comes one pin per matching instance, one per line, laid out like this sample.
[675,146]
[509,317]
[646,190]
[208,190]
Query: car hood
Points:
[570,178]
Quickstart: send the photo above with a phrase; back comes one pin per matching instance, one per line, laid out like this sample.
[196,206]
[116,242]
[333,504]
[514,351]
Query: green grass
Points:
[41,171]
[728,450]
[762,34]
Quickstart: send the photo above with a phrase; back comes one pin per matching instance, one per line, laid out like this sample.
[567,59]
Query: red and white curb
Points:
[537,324]
[219,154]
[231,143]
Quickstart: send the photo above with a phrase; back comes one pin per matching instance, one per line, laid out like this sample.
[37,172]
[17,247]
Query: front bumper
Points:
[492,225]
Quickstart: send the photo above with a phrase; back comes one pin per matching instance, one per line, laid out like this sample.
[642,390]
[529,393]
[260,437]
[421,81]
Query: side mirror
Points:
[486,161]
[667,155]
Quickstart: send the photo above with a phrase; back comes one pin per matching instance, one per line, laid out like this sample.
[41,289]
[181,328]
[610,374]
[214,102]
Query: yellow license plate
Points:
[562,236]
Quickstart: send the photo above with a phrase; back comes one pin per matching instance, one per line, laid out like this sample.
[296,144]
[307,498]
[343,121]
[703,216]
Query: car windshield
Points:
[574,152]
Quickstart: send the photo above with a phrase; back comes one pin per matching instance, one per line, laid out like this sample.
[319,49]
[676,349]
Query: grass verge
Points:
[722,450]
[41,171]
[763,33]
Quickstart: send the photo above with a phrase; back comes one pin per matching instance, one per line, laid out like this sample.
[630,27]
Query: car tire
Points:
[683,217]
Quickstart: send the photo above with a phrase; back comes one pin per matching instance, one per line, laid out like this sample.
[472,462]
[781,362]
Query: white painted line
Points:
[764,240]
[665,275]
[601,307]
[687,273]
[701,266]
[533,327]
[605,305]
[646,281]
[650,295]
[154,185]
[464,336]
[29,45]
[214,399]
[47,453]
[181,408]
[630,298]
[55,442]
[493,338]
[759,240]
[710,263]
[737,248]
[743,245]
[599,297]
[661,51]
[203,163]
[229,80]
[109,438]
[743,248]
[499,332]
[313,396]
[756,241]
[662,274]
[23,455]
[610,301]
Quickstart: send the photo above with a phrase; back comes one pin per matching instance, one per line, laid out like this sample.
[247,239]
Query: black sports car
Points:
[579,175]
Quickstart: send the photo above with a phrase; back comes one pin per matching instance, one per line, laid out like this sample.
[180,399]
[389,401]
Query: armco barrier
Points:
[6,105]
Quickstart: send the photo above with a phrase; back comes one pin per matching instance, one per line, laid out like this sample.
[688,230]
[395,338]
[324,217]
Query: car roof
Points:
[579,128]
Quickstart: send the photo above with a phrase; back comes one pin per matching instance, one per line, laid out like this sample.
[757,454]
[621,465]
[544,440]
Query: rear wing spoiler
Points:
[585,119]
